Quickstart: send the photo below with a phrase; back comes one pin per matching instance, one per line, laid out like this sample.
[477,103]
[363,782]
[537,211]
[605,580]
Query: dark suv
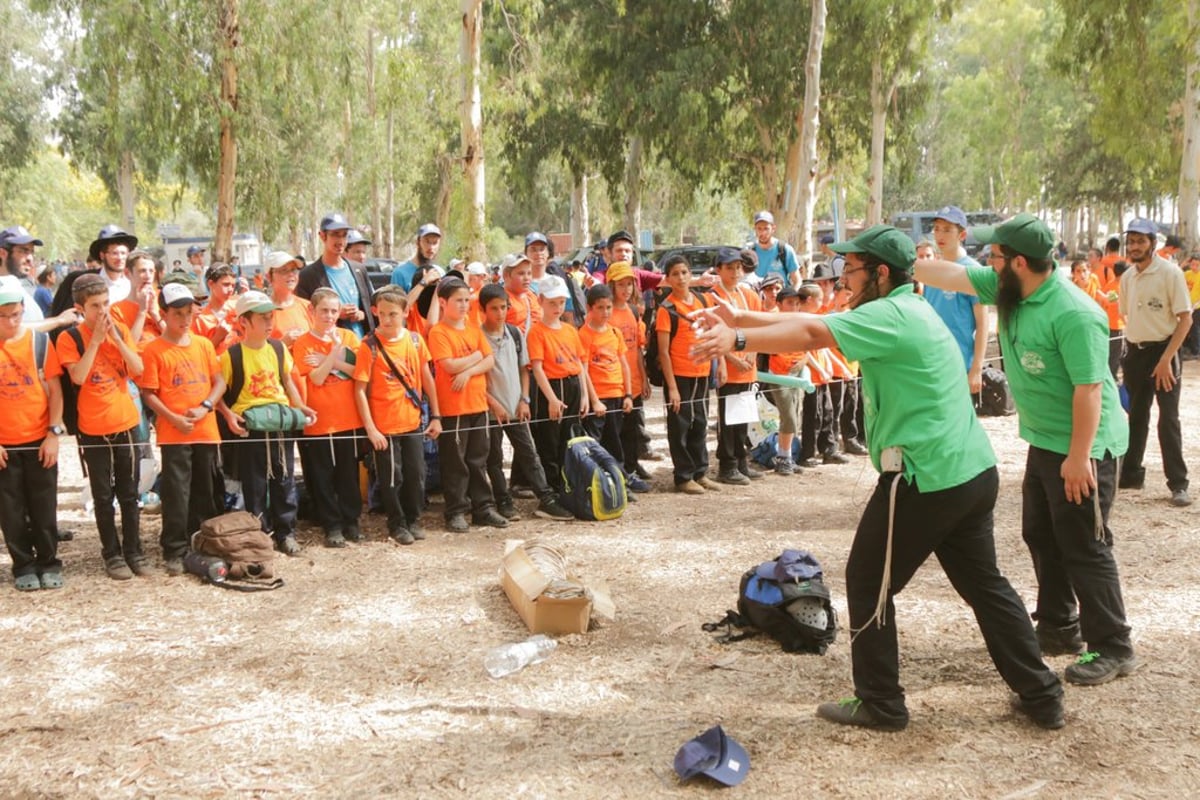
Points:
[702,257]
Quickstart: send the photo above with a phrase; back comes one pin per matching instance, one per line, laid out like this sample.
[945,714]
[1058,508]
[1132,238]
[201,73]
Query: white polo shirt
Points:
[1151,300]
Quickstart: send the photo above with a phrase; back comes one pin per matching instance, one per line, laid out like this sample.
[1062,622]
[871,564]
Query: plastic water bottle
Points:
[510,658]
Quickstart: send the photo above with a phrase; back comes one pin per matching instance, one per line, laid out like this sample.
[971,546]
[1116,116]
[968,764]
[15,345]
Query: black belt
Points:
[1147,345]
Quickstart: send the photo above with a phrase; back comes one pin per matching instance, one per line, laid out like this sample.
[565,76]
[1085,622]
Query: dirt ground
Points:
[364,676]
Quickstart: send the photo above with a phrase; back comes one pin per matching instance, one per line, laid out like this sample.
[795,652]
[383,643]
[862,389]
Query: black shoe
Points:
[508,511]
[353,533]
[811,463]
[641,472]
[416,530]
[402,536]
[457,523]
[490,519]
[1093,669]
[1059,641]
[552,509]
[834,457]
[851,711]
[1048,716]
[64,534]
[856,448]
[520,492]
[749,470]
[732,477]
[335,539]
[1131,482]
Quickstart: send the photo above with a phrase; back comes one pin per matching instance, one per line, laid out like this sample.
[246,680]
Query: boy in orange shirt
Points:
[139,311]
[733,458]
[787,398]
[464,358]
[523,306]
[99,355]
[388,398]
[610,376]
[294,316]
[325,359]
[625,319]
[218,320]
[181,381]
[685,382]
[565,395]
[819,423]
[30,426]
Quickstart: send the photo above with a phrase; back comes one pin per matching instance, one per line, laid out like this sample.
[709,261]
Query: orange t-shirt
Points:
[392,409]
[206,322]
[182,376]
[1110,282]
[297,316]
[604,351]
[633,331]
[126,312]
[104,403]
[782,363]
[26,417]
[334,399]
[681,361]
[746,299]
[523,310]
[822,357]
[447,342]
[559,349]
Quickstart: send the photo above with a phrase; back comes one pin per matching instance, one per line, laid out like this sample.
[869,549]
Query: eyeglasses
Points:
[846,272]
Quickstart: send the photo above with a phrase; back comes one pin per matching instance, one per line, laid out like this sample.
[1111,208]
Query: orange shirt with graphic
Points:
[126,312]
[296,316]
[523,310]
[333,400]
[604,353]
[633,331]
[449,342]
[559,350]
[1110,282]
[745,298]
[182,376]
[26,416]
[104,403]
[392,410]
[681,361]
[206,322]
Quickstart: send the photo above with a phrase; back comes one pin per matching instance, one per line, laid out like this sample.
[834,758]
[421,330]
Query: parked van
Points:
[919,226]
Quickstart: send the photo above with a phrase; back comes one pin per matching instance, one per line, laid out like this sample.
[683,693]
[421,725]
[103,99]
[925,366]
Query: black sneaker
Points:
[1046,715]
[749,470]
[856,448]
[457,523]
[810,463]
[784,466]
[641,472]
[1132,482]
[490,519]
[552,509]
[1093,669]
[834,457]
[509,512]
[732,477]
[353,533]
[402,536]
[850,711]
[1056,641]
[335,539]
[416,530]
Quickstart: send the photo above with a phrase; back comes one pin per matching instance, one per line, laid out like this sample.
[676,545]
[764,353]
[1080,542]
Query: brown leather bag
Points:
[238,539]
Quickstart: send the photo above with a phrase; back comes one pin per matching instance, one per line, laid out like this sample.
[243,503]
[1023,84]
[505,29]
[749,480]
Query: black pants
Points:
[1191,345]
[463,457]
[187,494]
[112,468]
[608,430]
[331,478]
[266,465]
[400,472]
[28,503]
[850,402]
[955,525]
[1138,364]
[818,425]
[524,453]
[550,436]
[1070,562]
[687,429]
[731,439]
[1116,346]
[633,435]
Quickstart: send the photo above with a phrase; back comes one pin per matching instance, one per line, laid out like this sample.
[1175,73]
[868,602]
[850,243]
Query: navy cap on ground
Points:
[715,754]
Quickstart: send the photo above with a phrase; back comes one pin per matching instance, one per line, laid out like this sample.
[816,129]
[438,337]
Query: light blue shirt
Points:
[341,279]
[957,310]
[403,274]
[769,262]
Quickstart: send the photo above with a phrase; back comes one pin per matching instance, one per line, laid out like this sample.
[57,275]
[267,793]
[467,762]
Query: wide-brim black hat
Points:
[110,234]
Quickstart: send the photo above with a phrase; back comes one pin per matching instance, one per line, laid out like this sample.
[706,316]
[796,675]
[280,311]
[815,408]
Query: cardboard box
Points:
[524,584]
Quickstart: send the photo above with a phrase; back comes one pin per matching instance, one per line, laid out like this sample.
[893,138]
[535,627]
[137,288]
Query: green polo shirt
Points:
[915,394]
[1057,339]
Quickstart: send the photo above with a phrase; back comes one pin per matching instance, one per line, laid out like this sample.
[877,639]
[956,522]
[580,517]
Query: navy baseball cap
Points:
[792,565]
[953,215]
[1142,225]
[827,238]
[715,754]
[17,235]
[729,255]
[764,216]
[195,249]
[536,237]
[334,222]
[428,229]
[620,236]
[355,237]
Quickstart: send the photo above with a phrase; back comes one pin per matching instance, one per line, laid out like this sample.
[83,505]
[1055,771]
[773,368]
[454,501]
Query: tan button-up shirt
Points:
[1152,299]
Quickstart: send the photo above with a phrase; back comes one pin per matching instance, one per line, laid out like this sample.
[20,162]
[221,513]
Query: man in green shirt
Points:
[1055,342]
[938,480]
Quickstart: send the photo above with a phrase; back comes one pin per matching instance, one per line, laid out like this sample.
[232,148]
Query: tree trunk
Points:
[879,103]
[579,213]
[230,39]
[804,178]
[1189,170]
[471,117]
[632,221]
[125,191]
[373,115]
[389,241]
[441,204]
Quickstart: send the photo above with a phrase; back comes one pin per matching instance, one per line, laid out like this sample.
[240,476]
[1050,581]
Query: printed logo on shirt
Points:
[1033,363]
[264,384]
[1155,304]
[14,380]
[188,373]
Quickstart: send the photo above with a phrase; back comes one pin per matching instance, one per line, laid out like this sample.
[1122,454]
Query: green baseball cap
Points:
[1024,233]
[884,242]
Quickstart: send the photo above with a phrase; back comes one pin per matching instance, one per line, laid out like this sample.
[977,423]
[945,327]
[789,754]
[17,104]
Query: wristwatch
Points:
[525,400]
[58,430]
[739,340]
[206,404]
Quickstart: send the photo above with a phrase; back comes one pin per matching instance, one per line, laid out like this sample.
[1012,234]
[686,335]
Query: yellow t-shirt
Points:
[1193,284]
[263,384]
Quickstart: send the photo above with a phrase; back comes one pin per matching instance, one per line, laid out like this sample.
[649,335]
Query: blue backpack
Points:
[595,482]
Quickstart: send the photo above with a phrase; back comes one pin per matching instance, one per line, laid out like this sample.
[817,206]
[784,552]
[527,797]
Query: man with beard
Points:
[938,480]
[411,272]
[1054,339]
[347,278]
[774,257]
[109,251]
[1158,314]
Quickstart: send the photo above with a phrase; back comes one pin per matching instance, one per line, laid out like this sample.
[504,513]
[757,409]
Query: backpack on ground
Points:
[237,538]
[785,598]
[995,396]
[595,482]
[654,372]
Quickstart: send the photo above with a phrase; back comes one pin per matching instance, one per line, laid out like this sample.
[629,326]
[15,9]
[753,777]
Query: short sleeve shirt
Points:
[1151,299]
[445,342]
[333,400]
[769,262]
[1055,340]
[26,417]
[914,395]
[681,343]
[104,402]
[392,409]
[182,376]
[263,384]
[633,331]
[957,310]
[559,350]
[604,352]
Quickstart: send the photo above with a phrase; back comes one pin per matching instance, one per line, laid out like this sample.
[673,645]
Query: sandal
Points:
[27,583]
[52,580]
